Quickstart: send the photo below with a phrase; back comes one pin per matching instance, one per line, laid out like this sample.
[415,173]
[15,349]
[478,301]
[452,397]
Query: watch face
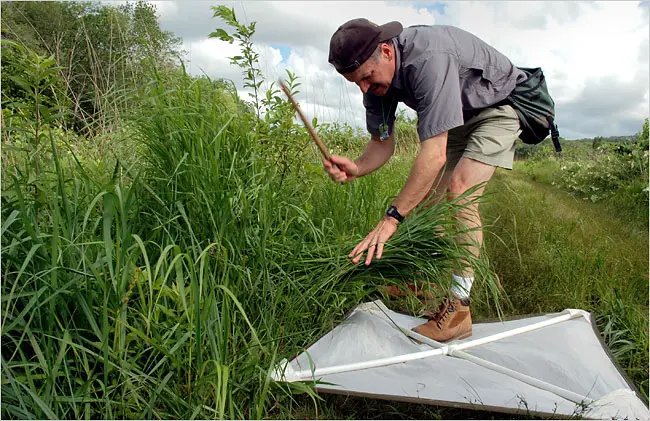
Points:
[392,212]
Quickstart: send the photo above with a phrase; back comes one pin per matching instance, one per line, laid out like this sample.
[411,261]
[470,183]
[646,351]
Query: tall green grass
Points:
[170,286]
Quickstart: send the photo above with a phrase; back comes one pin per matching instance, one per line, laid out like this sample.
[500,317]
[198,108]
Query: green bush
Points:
[597,171]
[613,169]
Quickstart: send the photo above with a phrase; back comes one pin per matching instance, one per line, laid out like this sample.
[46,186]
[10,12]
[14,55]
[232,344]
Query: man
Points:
[458,85]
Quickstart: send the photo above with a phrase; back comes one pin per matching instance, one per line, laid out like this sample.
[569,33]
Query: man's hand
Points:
[374,242]
[340,168]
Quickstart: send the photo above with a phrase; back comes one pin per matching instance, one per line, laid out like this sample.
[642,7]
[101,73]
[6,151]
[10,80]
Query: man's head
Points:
[359,52]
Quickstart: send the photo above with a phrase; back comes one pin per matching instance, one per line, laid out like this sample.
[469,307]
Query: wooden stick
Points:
[310,129]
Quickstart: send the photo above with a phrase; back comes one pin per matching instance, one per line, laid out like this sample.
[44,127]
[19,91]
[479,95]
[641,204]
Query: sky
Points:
[594,54]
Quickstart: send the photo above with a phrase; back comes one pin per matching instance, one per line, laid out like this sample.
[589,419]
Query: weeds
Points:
[616,173]
[172,289]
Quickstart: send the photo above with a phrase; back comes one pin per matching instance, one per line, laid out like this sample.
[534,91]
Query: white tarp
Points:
[559,367]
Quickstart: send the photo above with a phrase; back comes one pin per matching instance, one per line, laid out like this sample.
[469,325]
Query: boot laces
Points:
[444,310]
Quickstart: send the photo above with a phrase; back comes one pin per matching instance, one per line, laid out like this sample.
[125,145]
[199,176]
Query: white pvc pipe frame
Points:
[285,371]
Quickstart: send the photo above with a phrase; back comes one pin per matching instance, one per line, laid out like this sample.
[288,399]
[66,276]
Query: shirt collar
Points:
[397,82]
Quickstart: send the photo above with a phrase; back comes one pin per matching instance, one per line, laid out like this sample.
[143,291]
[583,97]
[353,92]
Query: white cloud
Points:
[579,45]
[210,56]
[584,49]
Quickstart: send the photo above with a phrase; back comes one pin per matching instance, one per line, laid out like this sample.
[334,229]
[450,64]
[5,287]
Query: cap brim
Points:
[390,30]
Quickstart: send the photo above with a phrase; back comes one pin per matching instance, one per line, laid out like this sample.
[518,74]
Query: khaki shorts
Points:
[488,137]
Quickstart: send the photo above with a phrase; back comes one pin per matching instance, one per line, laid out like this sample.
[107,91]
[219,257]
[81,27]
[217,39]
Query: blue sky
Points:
[438,6]
[285,50]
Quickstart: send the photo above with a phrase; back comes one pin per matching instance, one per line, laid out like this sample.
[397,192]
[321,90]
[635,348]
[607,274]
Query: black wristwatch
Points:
[393,213]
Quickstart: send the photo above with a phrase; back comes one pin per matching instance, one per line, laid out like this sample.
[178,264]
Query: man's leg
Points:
[467,174]
[491,139]
[488,143]
[438,191]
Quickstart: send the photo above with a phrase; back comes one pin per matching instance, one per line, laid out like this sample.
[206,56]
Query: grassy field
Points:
[550,251]
[166,242]
[162,267]
[163,274]
[553,251]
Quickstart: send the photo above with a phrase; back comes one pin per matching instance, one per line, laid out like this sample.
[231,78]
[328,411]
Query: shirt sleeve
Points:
[436,89]
[379,110]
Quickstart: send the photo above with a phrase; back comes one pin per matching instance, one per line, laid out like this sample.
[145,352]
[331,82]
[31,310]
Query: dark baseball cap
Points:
[355,41]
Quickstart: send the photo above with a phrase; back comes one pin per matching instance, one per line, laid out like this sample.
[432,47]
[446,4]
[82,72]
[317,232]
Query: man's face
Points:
[375,76]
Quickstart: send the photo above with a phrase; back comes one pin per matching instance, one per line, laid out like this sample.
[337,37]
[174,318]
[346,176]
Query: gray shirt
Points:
[443,73]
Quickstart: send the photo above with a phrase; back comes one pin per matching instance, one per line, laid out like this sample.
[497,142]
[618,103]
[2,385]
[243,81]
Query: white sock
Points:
[462,286]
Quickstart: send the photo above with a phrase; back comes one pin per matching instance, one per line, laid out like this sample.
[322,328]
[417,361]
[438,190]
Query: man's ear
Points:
[387,51]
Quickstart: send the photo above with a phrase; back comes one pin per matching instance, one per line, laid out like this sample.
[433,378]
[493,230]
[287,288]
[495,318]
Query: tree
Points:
[103,51]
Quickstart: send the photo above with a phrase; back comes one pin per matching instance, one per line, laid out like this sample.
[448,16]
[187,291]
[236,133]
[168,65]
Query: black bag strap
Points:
[555,134]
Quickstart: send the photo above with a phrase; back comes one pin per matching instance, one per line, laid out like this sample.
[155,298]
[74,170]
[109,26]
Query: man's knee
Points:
[459,184]
[470,174]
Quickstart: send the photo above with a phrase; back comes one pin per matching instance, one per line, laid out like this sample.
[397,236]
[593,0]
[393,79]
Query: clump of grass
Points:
[424,248]
[625,331]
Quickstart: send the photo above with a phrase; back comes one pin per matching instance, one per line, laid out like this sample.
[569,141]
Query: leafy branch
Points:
[249,60]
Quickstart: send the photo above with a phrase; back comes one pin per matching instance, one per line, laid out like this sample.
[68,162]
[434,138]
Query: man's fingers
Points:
[358,251]
[358,256]
[332,169]
[380,249]
[337,160]
[371,252]
[377,249]
[373,243]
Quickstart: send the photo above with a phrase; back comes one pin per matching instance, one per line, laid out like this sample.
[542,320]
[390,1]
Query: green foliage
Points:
[103,52]
[171,286]
[597,142]
[30,109]
[194,129]
[608,173]
[249,60]
[406,135]
[643,134]
[616,172]
[342,138]
[625,329]
[31,85]
[283,141]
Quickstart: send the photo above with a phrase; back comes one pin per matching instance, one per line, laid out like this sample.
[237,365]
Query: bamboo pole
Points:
[310,129]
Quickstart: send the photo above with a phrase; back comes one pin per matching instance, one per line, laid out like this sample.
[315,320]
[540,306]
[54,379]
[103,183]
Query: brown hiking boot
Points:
[423,290]
[451,320]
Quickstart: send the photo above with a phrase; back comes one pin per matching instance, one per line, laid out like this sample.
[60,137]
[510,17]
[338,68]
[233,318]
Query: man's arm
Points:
[427,165]
[376,154]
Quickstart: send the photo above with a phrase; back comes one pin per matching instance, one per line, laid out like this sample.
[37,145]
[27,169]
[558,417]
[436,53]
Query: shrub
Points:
[596,171]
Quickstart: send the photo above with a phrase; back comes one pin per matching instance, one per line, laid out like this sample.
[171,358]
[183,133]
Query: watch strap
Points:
[394,213]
